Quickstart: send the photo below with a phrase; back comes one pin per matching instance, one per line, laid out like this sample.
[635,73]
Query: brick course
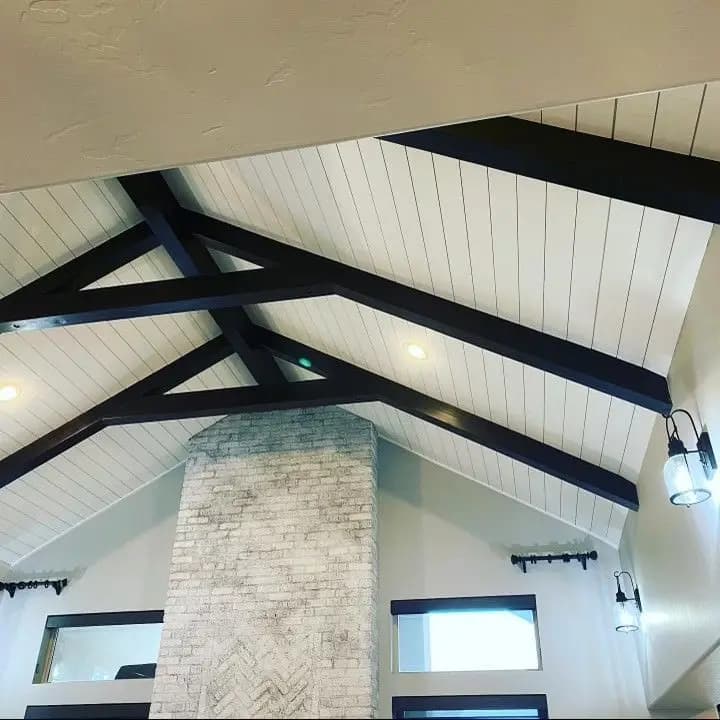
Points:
[272,591]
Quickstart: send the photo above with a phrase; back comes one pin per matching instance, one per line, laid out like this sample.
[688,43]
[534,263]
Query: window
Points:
[99,646]
[472,707]
[112,711]
[457,634]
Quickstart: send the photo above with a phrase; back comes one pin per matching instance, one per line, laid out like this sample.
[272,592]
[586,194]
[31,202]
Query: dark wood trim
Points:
[124,617]
[88,423]
[154,199]
[106,711]
[160,297]
[259,398]
[402,704]
[519,447]
[490,602]
[569,360]
[645,176]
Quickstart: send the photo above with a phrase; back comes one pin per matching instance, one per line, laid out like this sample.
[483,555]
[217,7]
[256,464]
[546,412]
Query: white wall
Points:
[118,560]
[676,551]
[442,535]
[439,535]
[104,88]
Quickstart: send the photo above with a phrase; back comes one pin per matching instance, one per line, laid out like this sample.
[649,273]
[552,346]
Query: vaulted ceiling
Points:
[604,273]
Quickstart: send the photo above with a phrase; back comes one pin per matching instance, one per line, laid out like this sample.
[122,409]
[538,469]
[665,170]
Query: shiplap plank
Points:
[289,169]
[248,173]
[620,417]
[616,524]
[276,199]
[635,118]
[653,252]
[335,173]
[677,117]
[601,516]
[475,365]
[495,379]
[564,116]
[596,117]
[531,115]
[637,442]
[552,495]
[624,223]
[503,218]
[480,234]
[554,410]
[534,391]
[452,207]
[224,209]
[584,510]
[596,418]
[531,217]
[507,476]
[357,178]
[537,488]
[422,171]
[688,249]
[515,395]
[707,136]
[522,482]
[576,397]
[559,255]
[384,204]
[568,502]
[401,184]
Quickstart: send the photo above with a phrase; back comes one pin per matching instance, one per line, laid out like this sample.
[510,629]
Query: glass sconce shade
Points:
[627,617]
[685,479]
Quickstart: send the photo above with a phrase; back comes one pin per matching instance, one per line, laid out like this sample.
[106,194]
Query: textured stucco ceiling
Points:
[103,87]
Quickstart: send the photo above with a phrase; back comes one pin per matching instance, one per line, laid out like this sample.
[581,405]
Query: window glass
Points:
[467,639]
[104,652]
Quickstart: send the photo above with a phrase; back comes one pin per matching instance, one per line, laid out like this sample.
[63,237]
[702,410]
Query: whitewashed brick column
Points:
[271,601]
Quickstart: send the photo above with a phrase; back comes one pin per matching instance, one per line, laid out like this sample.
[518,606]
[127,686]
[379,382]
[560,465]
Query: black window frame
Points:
[54,623]
[402,703]
[116,711]
[488,602]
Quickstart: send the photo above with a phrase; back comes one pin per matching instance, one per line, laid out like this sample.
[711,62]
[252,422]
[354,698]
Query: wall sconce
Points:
[687,472]
[627,611]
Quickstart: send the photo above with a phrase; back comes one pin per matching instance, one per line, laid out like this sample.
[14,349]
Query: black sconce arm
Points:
[620,596]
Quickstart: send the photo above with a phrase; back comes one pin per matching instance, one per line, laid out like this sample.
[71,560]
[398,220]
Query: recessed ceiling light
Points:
[8,392]
[416,351]
[305,362]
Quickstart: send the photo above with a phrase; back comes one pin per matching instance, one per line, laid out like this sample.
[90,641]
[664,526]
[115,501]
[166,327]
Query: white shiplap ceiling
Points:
[607,274]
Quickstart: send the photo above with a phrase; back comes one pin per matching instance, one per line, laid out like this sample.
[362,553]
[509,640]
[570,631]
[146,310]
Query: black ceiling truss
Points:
[157,204]
[293,273]
[202,292]
[546,352]
[645,176]
[88,423]
[58,299]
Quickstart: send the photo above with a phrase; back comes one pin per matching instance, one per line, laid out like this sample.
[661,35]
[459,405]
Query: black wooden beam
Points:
[646,176]
[545,352]
[154,199]
[88,423]
[160,297]
[260,398]
[91,265]
[519,447]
